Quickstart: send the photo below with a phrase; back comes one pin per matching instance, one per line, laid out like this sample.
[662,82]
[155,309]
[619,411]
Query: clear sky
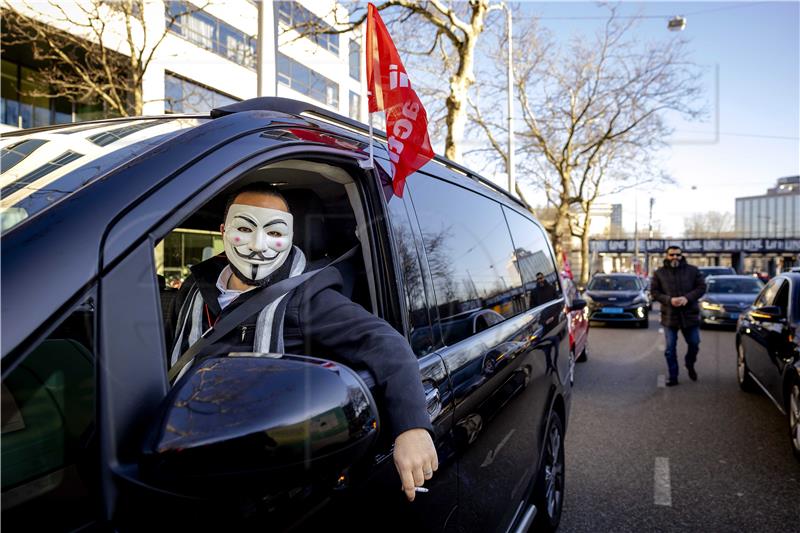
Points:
[757,48]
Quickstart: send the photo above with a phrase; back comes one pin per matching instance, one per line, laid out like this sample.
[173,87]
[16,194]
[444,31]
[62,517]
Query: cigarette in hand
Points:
[420,489]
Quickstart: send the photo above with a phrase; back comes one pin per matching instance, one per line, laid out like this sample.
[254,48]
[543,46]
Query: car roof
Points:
[732,276]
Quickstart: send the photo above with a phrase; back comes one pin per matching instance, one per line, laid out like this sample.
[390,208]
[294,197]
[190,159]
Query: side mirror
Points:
[577,304]
[239,422]
[768,313]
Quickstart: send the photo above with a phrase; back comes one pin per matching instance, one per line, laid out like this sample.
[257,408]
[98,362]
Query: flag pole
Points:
[370,163]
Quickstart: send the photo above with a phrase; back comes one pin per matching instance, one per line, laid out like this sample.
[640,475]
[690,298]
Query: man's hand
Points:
[415,459]
[679,301]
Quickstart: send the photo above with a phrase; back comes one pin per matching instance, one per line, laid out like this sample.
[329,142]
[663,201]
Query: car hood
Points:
[730,298]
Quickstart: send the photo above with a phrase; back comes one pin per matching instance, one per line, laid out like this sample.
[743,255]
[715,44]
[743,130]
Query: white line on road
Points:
[662,490]
[662,381]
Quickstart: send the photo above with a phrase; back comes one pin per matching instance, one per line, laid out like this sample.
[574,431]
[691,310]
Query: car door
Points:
[499,374]
[371,491]
[778,346]
[756,343]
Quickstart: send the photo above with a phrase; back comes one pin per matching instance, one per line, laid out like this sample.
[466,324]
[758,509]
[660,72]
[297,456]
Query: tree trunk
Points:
[456,104]
[585,266]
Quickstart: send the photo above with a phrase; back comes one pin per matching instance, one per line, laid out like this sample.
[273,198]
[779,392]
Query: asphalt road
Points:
[702,456]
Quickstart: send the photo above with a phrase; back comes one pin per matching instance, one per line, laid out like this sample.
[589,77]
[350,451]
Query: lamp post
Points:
[510,97]
[649,236]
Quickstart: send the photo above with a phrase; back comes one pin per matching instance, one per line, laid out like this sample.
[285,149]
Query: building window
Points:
[184,96]
[307,81]
[20,109]
[211,33]
[355,60]
[294,16]
[355,106]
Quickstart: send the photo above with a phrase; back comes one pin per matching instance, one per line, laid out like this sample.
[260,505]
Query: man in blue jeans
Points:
[677,286]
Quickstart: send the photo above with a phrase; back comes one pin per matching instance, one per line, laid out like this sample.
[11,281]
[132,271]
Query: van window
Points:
[470,254]
[420,334]
[532,257]
[48,446]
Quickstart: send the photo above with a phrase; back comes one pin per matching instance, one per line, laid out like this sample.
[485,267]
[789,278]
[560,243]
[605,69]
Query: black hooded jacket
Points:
[683,280]
[321,322]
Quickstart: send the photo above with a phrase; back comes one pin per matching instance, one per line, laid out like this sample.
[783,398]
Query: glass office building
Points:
[775,215]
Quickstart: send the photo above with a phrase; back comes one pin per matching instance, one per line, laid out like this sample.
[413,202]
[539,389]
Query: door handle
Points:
[433,401]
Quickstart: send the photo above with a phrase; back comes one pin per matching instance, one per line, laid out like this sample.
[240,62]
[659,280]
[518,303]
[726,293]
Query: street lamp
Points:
[676,23]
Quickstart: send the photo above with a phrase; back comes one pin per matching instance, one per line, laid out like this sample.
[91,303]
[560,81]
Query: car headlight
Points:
[711,306]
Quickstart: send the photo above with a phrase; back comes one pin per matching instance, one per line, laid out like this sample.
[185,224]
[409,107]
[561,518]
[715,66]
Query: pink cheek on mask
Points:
[237,239]
[278,245]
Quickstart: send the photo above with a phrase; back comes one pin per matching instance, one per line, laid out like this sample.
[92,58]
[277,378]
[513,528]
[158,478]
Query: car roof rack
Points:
[297,107]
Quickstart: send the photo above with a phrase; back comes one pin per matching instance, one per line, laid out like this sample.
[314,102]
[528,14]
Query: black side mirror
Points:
[577,304]
[234,423]
[768,313]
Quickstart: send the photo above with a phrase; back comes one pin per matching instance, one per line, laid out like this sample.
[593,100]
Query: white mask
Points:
[257,241]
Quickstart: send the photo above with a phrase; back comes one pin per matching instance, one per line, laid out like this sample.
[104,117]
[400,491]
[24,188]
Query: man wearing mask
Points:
[678,285]
[314,317]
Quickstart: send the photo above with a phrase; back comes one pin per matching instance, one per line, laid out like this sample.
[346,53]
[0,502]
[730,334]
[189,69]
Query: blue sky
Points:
[757,48]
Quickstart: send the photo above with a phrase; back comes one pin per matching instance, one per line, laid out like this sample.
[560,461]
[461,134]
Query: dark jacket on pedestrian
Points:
[683,280]
[318,321]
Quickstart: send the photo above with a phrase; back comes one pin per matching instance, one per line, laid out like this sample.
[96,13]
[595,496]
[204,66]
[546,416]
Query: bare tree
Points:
[710,225]
[450,31]
[103,56]
[592,112]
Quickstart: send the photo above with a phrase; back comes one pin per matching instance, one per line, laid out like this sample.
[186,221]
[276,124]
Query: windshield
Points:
[734,286]
[716,270]
[44,167]
[613,284]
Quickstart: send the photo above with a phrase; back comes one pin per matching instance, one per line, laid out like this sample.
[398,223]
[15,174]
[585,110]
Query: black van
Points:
[101,222]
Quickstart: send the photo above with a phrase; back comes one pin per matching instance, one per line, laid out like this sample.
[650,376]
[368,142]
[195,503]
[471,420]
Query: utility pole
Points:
[649,236]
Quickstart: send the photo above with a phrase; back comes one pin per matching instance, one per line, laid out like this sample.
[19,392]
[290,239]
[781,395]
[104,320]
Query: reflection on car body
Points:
[138,204]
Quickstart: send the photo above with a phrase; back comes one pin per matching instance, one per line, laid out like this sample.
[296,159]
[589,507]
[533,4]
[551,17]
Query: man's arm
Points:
[657,292]
[698,287]
[348,332]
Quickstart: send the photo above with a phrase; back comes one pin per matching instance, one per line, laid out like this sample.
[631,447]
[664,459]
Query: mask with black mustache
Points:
[257,241]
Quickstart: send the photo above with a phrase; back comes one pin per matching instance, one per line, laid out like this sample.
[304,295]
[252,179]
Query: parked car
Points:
[93,435]
[578,321]
[726,298]
[716,271]
[617,298]
[768,349]
[645,283]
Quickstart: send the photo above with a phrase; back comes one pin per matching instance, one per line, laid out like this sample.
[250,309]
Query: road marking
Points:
[662,490]
[493,453]
[662,381]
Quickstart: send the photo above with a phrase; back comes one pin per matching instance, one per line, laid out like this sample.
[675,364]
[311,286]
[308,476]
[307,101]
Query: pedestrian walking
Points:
[678,286]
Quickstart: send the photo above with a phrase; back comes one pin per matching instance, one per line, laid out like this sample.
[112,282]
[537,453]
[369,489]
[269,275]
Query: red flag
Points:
[390,90]
[567,268]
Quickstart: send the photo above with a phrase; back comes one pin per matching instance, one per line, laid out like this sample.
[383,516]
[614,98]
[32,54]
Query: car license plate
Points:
[612,310]
[734,316]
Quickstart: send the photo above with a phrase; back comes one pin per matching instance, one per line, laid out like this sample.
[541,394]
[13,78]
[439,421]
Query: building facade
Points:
[774,215]
[208,57]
